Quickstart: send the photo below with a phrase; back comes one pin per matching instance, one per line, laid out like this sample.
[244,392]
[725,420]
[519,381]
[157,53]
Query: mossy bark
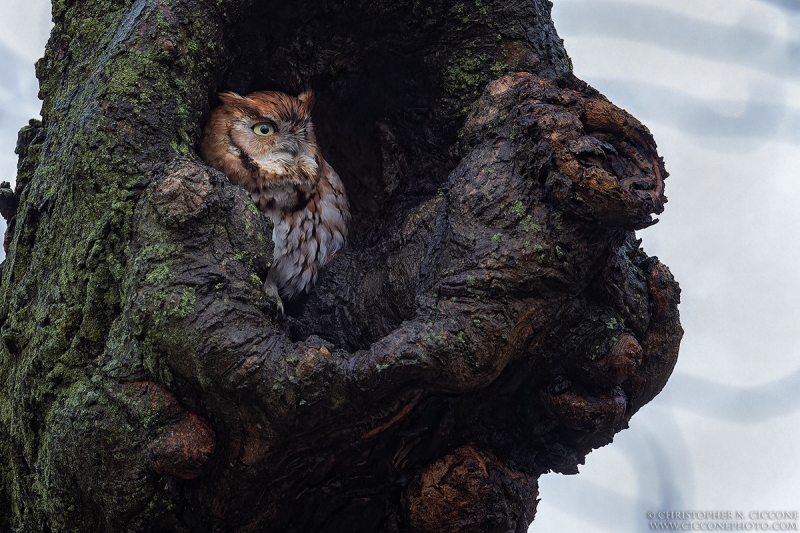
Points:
[491,319]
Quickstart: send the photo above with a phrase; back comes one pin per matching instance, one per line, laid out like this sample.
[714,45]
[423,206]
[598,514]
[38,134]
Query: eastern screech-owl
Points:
[265,142]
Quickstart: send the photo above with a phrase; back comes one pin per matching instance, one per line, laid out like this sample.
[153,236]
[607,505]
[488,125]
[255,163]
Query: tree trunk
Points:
[492,317]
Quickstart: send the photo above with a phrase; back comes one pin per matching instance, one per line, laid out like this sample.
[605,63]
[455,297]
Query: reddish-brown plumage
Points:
[265,142]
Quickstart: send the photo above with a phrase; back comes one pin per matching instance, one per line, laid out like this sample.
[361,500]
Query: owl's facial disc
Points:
[281,153]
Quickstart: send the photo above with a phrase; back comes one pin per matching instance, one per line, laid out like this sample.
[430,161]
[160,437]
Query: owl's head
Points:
[264,141]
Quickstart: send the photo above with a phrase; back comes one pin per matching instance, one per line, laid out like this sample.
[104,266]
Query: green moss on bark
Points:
[123,93]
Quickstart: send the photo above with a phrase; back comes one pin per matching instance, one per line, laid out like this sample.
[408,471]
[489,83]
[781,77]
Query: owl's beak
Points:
[290,147]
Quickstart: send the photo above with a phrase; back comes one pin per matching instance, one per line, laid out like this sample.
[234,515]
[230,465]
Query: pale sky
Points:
[24,28]
[718,84]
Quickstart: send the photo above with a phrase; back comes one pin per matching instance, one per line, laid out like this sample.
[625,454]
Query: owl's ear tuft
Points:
[230,97]
[307,100]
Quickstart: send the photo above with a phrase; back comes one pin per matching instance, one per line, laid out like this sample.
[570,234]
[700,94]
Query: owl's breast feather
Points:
[306,238]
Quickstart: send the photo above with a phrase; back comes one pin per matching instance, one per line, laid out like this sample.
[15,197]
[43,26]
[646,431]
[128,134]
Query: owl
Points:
[265,142]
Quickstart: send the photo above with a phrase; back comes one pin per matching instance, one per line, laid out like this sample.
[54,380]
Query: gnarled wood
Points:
[492,317]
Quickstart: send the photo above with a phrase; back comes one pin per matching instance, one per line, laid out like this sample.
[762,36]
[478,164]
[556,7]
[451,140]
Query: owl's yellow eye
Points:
[264,129]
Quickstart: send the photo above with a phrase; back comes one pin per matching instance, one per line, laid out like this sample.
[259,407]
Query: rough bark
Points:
[491,319]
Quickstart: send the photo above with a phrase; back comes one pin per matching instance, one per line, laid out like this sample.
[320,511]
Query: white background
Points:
[718,84]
